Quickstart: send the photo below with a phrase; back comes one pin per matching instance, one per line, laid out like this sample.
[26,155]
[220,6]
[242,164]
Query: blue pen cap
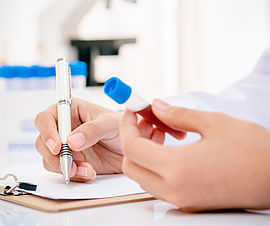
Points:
[117,90]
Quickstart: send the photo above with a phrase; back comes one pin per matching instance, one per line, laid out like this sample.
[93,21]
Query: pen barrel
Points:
[63,80]
[64,121]
[64,128]
[63,87]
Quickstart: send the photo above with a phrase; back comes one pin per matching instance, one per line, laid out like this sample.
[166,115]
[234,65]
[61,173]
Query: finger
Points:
[145,128]
[181,118]
[142,151]
[147,131]
[91,132]
[84,172]
[46,123]
[51,160]
[80,171]
[148,180]
[158,136]
[51,167]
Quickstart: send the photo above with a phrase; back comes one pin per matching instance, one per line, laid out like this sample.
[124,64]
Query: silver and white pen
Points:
[63,89]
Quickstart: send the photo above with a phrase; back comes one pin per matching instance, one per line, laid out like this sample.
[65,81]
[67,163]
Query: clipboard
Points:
[14,195]
[58,205]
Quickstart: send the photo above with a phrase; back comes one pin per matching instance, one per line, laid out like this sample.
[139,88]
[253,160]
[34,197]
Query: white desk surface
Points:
[153,212]
[141,213]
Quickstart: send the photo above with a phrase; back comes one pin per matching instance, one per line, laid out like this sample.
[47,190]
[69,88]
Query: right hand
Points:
[94,140]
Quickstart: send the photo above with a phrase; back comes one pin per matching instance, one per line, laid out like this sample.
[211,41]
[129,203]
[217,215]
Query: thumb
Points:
[180,118]
[91,132]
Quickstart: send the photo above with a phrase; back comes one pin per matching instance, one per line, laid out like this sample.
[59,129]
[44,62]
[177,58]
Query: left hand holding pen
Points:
[228,168]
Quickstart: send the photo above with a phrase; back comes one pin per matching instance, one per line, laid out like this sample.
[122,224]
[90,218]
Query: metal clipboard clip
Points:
[18,188]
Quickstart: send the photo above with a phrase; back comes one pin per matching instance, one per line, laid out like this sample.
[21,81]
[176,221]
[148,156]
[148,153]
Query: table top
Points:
[141,213]
[154,212]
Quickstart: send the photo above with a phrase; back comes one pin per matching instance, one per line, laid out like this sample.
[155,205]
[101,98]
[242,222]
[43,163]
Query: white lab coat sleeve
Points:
[247,99]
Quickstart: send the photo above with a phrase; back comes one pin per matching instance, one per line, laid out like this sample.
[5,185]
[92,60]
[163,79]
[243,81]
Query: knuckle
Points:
[38,118]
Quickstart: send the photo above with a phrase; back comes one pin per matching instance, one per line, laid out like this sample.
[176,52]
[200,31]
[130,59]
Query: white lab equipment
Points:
[14,78]
[25,91]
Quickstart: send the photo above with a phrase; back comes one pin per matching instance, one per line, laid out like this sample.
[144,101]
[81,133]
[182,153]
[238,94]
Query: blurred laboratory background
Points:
[160,47]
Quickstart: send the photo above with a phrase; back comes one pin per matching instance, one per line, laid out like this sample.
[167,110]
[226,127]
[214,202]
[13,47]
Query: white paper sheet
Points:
[51,185]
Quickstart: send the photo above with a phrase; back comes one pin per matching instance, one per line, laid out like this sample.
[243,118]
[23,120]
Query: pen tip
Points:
[67,181]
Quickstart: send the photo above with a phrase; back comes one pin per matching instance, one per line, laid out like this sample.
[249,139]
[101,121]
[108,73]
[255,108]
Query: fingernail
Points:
[161,105]
[51,145]
[83,171]
[77,140]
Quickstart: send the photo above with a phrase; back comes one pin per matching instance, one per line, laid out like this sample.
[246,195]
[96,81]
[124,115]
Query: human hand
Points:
[94,140]
[228,168]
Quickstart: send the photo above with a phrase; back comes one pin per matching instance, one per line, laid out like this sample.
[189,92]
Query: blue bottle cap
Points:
[42,71]
[78,68]
[22,72]
[7,71]
[117,90]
